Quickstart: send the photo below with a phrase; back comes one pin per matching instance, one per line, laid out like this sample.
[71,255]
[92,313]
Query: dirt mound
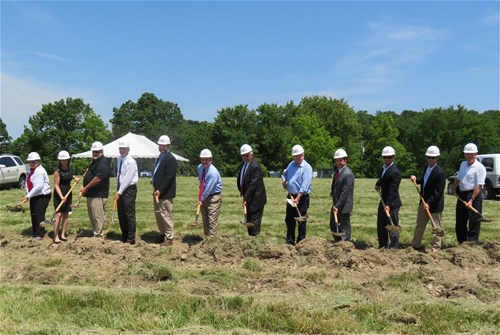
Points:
[258,266]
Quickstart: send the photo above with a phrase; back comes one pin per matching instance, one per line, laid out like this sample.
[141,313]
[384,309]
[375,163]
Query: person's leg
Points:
[382,233]
[256,219]
[436,239]
[394,236]
[214,206]
[461,217]
[421,223]
[290,224]
[303,207]
[475,220]
[345,226]
[122,217]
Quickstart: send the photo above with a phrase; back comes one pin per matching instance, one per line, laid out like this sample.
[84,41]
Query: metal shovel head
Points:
[248,224]
[194,224]
[393,228]
[16,208]
[338,234]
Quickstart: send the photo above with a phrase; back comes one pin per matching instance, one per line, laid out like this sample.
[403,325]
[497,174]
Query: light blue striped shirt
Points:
[213,181]
[298,177]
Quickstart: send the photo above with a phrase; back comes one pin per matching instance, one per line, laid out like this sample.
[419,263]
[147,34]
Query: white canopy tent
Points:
[140,147]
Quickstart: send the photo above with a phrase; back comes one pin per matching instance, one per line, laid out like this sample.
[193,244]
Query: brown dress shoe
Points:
[167,243]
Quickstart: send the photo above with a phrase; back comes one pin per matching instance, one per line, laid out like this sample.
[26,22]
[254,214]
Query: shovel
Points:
[77,204]
[337,231]
[481,217]
[436,231]
[17,208]
[194,224]
[299,218]
[391,227]
[62,202]
[115,203]
[245,222]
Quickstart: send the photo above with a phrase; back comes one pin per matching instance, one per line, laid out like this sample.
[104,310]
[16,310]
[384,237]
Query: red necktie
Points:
[335,177]
[202,185]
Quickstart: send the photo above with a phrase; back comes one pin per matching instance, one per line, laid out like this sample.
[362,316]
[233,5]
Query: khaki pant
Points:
[95,209]
[422,219]
[164,218]
[210,214]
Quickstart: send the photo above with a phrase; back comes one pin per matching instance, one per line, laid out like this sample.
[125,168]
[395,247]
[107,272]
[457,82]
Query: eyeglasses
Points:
[32,162]
[246,155]
[388,157]
[431,157]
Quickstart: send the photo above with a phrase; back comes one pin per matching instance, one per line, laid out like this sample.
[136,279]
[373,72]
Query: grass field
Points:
[236,284]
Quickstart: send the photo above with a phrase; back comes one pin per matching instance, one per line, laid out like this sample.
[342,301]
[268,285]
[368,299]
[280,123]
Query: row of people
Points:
[296,180]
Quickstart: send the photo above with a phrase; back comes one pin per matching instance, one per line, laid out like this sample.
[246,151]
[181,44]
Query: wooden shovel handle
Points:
[66,195]
[336,217]
[198,210]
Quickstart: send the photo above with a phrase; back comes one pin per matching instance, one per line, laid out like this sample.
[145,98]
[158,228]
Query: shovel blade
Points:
[393,228]
[248,224]
[301,218]
[338,234]
[438,232]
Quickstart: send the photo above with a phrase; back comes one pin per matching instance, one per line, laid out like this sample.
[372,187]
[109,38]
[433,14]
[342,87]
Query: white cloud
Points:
[24,97]
[52,57]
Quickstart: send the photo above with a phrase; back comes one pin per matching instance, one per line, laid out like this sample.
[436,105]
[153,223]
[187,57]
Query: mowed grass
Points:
[342,308]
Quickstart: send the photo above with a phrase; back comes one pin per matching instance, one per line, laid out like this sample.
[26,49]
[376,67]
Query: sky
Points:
[209,55]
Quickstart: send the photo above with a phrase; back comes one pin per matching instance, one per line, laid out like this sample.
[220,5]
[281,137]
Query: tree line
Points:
[320,124]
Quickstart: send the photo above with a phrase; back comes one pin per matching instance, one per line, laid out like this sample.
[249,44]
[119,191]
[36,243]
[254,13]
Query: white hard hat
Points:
[245,149]
[164,140]
[388,151]
[33,156]
[123,144]
[432,151]
[470,148]
[205,153]
[63,155]
[340,153]
[297,150]
[96,146]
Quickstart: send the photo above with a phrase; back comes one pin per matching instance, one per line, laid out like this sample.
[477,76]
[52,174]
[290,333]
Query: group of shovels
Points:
[245,222]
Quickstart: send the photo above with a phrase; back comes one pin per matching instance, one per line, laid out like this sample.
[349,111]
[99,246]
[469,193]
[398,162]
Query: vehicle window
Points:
[7,161]
[18,160]
[488,162]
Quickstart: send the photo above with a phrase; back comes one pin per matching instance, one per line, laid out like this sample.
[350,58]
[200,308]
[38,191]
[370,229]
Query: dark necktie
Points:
[119,174]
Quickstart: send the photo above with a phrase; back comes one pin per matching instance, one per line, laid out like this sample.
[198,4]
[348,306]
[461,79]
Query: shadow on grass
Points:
[113,236]
[192,239]
[150,237]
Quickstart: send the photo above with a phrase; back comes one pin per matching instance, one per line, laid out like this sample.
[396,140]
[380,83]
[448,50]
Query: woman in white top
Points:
[38,194]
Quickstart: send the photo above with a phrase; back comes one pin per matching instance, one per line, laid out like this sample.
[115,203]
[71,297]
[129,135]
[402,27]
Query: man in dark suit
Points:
[250,183]
[388,184]
[432,184]
[164,185]
[342,196]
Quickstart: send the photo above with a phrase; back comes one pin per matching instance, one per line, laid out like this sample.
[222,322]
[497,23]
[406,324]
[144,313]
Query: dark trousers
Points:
[291,213]
[256,219]
[344,226]
[383,234]
[126,214]
[38,207]
[465,215]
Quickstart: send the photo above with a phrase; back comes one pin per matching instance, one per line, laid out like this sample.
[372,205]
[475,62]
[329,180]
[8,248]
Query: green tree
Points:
[233,127]
[149,116]
[383,132]
[68,125]
[5,139]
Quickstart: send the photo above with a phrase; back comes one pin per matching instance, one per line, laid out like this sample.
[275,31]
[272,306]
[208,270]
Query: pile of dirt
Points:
[452,272]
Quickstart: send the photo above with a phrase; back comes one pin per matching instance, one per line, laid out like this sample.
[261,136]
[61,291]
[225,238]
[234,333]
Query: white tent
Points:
[140,147]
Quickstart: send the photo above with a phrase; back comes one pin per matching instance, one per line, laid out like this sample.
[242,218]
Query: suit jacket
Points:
[389,185]
[165,176]
[252,188]
[433,191]
[343,191]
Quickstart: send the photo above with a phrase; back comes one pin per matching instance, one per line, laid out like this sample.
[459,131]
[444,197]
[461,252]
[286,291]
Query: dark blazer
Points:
[252,189]
[342,191]
[389,185]
[433,192]
[165,175]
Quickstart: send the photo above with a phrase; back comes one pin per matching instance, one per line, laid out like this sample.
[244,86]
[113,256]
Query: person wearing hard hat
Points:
[209,196]
[250,183]
[63,176]
[388,185]
[38,193]
[297,180]
[470,181]
[164,185]
[96,187]
[127,176]
[432,184]
[342,197]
